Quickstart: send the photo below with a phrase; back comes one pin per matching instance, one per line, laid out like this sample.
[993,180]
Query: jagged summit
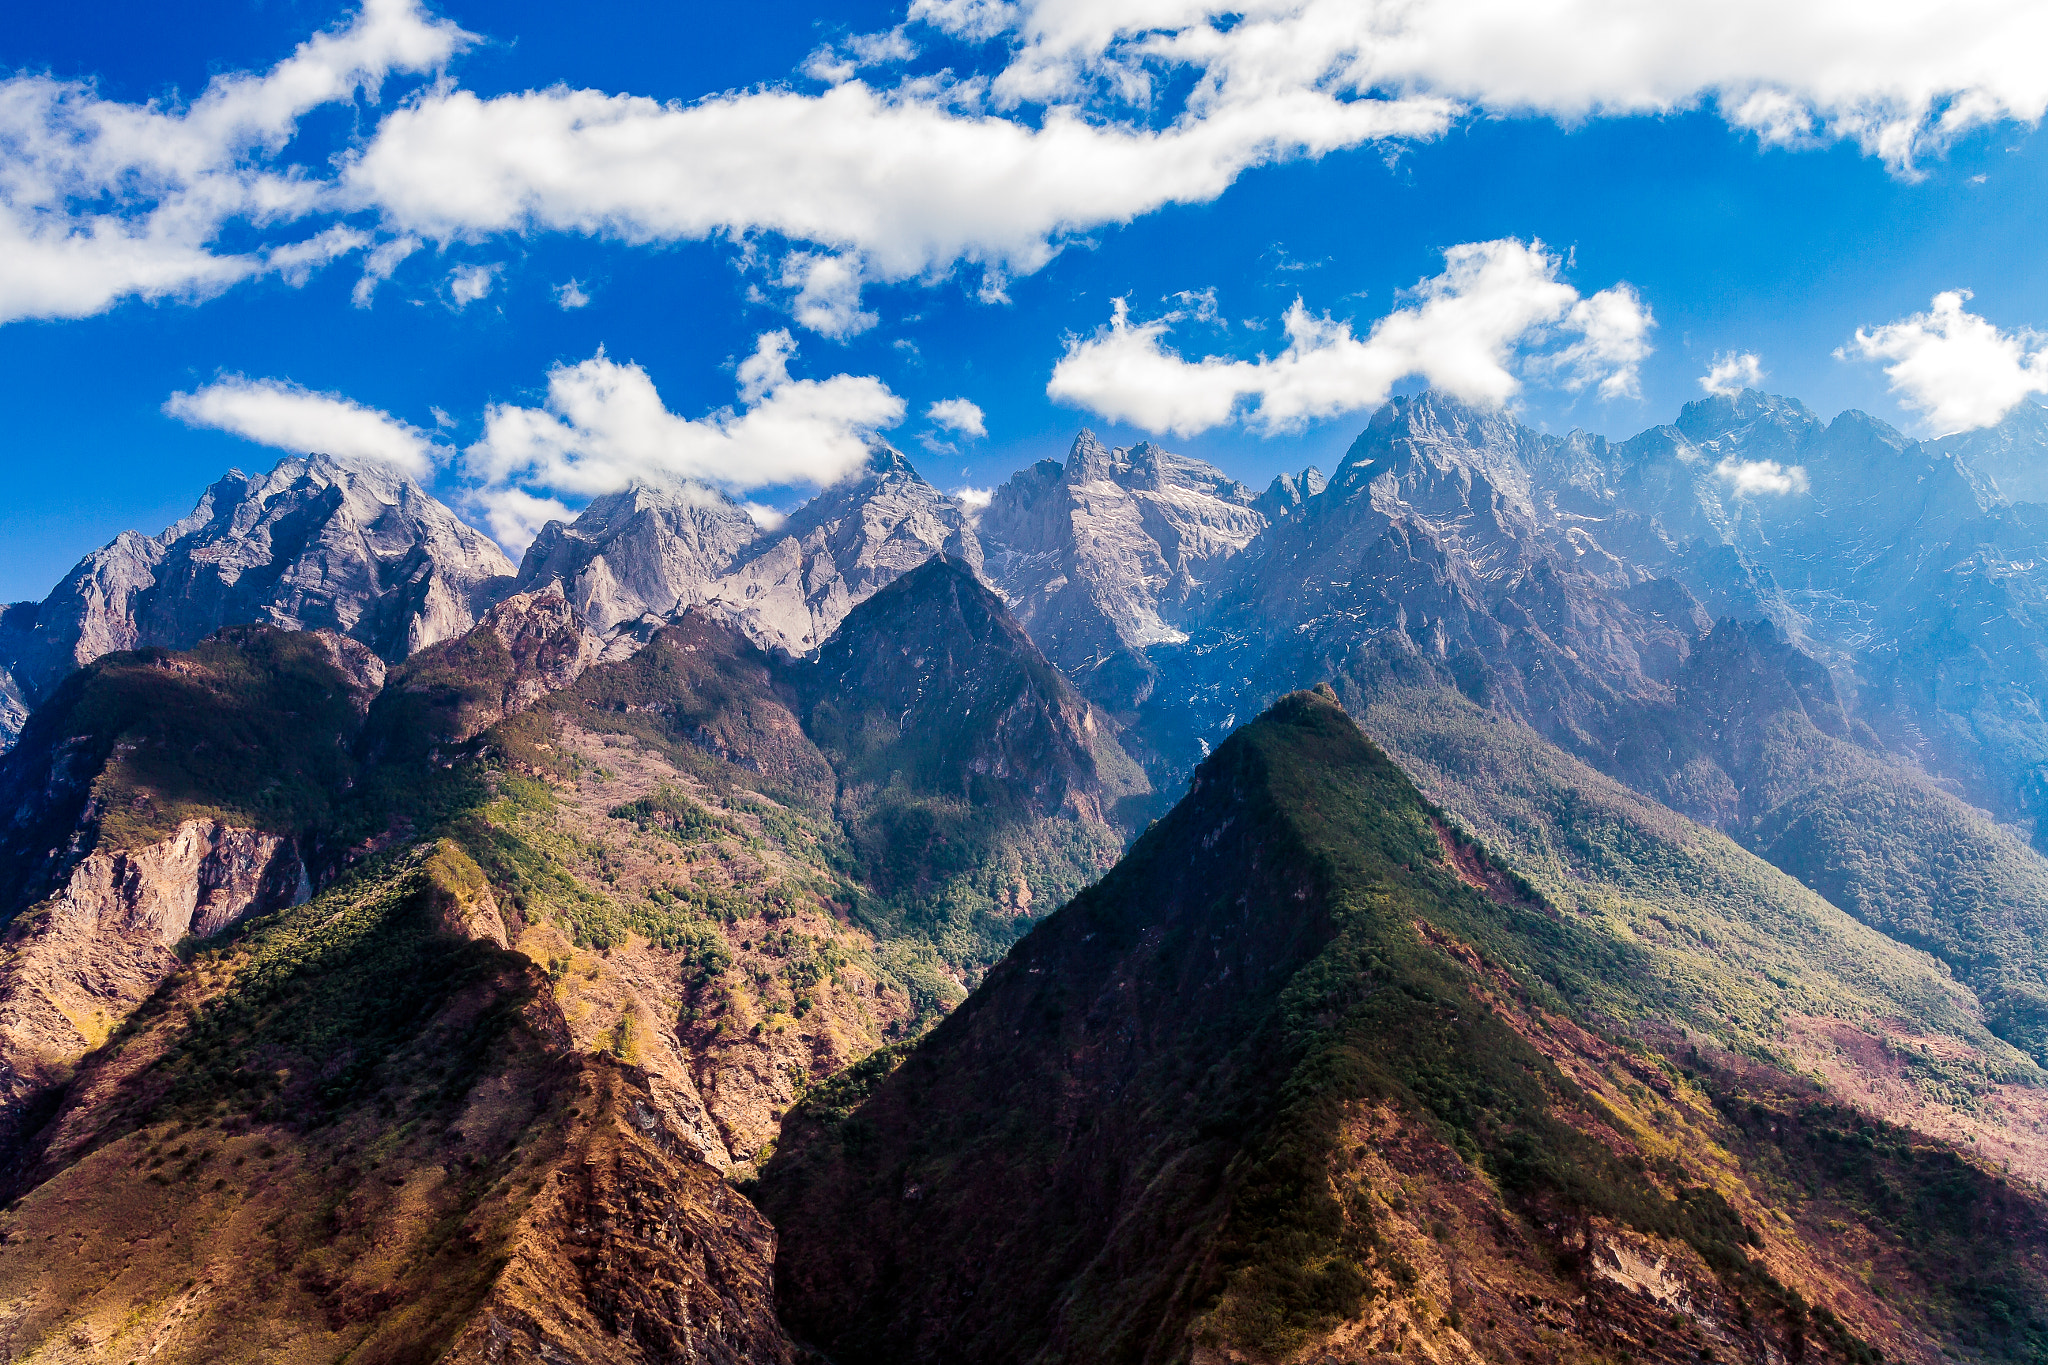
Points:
[910,670]
[317,543]
[645,549]
[1289,493]
[791,588]
[1097,555]
[2011,455]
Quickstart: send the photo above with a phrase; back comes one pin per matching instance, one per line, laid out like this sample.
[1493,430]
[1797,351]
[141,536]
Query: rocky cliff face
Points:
[645,551]
[1288,493]
[281,1183]
[77,965]
[1098,556]
[315,544]
[527,647]
[792,587]
[2008,455]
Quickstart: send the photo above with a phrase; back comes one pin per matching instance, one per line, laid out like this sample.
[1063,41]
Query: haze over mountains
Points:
[1661,969]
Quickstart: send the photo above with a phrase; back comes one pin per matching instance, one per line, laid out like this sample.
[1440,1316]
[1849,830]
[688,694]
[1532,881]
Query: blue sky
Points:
[1731,239]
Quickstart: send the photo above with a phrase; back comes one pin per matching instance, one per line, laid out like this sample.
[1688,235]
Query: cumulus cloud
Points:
[907,180]
[468,283]
[1472,331]
[102,200]
[1087,116]
[285,416]
[570,296]
[1731,373]
[604,426]
[958,414]
[1754,478]
[974,500]
[1958,369]
[1901,80]
[826,294]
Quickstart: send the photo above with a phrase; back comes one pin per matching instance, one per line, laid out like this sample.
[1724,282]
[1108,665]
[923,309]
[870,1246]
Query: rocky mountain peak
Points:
[1442,457]
[1289,493]
[317,543]
[1097,555]
[791,588]
[1759,420]
[932,672]
[2012,455]
[647,549]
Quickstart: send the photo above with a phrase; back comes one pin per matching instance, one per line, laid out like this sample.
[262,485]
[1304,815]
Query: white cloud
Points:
[836,64]
[379,265]
[906,180]
[604,426]
[101,200]
[974,501]
[514,516]
[571,296]
[1468,332]
[1899,79]
[274,413]
[1135,105]
[958,414]
[468,283]
[1957,368]
[1751,478]
[1731,373]
[827,294]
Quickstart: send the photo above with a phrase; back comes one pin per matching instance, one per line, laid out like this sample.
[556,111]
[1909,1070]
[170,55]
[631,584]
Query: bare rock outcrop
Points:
[79,963]
[792,589]
[645,550]
[1096,556]
[632,1251]
[318,543]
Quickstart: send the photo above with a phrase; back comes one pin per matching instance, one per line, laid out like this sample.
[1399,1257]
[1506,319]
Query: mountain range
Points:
[1518,896]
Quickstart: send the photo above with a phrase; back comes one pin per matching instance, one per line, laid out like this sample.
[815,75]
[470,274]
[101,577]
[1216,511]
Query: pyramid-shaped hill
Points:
[1308,1077]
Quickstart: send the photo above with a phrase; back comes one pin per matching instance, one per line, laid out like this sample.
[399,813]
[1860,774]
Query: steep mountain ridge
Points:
[1308,1077]
[367,1013]
[318,543]
[644,551]
[793,586]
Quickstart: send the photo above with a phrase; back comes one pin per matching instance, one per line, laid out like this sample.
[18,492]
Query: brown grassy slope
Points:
[354,1134]
[1286,1086]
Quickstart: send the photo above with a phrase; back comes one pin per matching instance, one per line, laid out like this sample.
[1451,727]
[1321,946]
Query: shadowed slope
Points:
[1304,1072]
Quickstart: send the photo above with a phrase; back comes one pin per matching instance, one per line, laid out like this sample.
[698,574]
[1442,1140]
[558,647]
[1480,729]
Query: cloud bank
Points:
[1498,311]
[282,415]
[604,427]
[1094,114]
[1957,369]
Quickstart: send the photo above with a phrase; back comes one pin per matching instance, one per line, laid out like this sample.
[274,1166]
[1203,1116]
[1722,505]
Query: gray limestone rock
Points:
[316,544]
[1289,493]
[643,551]
[1098,556]
[791,588]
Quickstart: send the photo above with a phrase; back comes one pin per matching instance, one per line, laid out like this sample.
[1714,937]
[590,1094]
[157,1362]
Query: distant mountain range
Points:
[1634,947]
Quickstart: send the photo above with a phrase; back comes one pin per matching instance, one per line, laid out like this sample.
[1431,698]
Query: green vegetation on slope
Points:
[250,727]
[1914,862]
[1264,938]
[1710,935]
